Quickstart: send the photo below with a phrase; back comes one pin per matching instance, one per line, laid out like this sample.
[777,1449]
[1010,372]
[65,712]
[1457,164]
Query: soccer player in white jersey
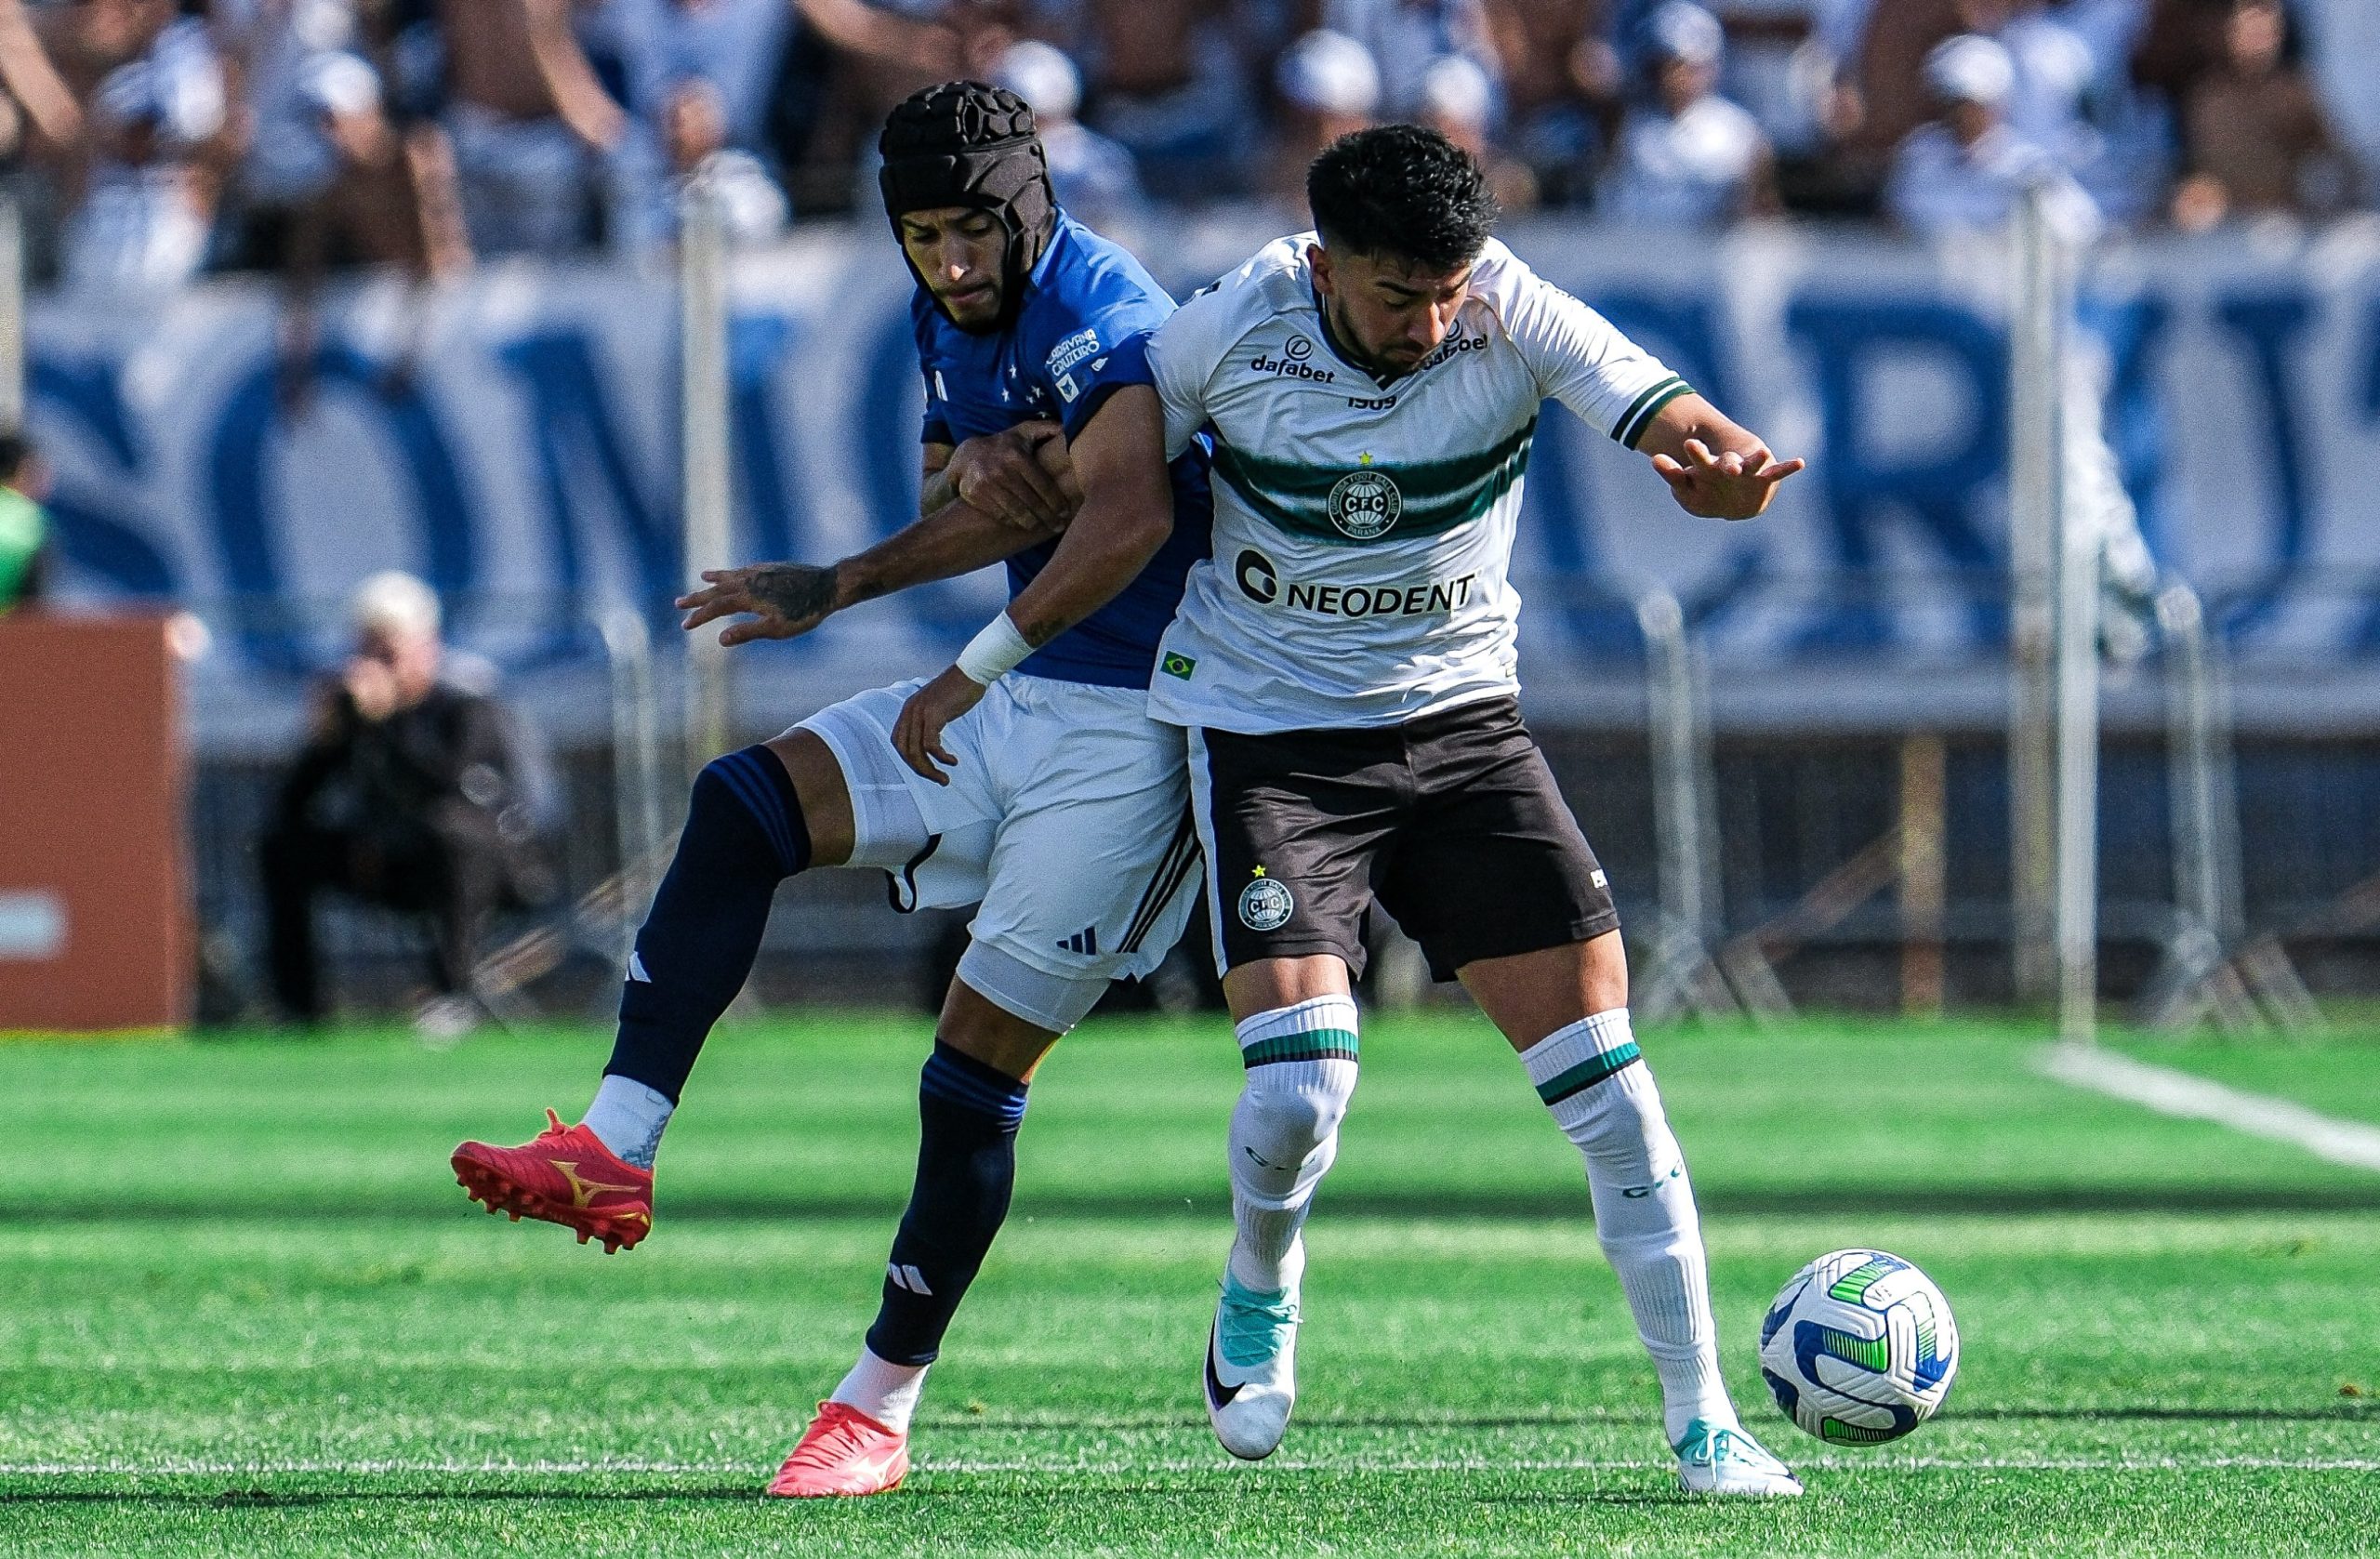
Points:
[1344,669]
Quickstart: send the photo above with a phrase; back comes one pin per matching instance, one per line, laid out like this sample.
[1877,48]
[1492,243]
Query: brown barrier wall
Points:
[95,929]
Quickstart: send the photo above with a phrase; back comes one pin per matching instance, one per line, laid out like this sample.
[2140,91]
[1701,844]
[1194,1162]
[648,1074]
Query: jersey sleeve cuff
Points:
[1631,426]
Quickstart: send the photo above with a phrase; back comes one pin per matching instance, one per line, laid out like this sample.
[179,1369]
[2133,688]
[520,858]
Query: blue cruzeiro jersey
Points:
[1081,332]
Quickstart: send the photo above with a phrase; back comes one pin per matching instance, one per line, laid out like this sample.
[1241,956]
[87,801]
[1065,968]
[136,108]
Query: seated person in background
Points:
[2343,41]
[528,117]
[1459,101]
[1689,158]
[2057,69]
[268,48]
[387,198]
[1408,37]
[689,143]
[1171,82]
[149,209]
[1965,170]
[1328,87]
[2257,141]
[412,793]
[1561,82]
[24,524]
[1094,178]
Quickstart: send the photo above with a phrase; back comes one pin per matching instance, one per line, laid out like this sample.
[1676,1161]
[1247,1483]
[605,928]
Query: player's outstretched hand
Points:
[917,735]
[1728,486]
[786,601]
[1009,475]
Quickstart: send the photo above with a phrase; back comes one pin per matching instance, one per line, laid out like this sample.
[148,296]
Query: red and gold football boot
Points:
[565,1176]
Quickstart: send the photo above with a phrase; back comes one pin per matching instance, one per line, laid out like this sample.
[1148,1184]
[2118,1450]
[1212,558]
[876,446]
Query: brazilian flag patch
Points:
[1177,665]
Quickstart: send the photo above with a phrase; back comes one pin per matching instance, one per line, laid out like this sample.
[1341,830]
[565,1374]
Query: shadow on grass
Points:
[1596,1497]
[944,1428]
[2340,1413]
[265,1499]
[1204,1204]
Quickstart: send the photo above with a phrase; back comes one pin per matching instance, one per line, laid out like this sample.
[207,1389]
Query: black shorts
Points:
[1452,821]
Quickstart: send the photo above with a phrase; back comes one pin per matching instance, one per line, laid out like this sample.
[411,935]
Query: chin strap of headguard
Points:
[964,143]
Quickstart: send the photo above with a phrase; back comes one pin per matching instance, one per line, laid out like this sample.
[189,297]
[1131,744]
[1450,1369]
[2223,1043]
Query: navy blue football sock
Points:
[966,1168]
[743,835]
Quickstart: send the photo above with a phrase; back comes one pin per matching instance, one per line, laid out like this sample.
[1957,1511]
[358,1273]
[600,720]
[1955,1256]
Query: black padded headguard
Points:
[964,143]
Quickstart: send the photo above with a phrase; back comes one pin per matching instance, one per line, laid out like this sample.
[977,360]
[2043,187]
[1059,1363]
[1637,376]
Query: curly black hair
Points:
[1402,190]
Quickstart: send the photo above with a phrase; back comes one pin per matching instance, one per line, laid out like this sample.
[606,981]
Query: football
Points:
[1860,1348]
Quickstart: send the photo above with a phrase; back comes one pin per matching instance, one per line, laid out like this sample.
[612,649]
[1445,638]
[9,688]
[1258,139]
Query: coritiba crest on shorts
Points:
[1264,904]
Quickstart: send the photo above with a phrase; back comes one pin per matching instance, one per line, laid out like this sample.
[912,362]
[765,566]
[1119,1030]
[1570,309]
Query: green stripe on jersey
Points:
[1433,497]
[1631,428]
[1587,1073]
[1313,1044]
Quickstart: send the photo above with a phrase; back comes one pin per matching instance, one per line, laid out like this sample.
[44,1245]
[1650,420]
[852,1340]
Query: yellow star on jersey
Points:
[1365,459]
[1260,871]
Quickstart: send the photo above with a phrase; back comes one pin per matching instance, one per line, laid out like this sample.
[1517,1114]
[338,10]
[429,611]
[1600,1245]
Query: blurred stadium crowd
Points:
[150,140]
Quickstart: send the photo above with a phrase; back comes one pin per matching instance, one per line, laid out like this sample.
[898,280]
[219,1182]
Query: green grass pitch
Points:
[243,1309]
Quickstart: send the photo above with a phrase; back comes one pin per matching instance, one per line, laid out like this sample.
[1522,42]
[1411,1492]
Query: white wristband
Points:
[994,653]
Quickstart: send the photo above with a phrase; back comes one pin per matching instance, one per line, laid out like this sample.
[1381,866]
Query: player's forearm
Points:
[1715,467]
[579,99]
[1691,417]
[1103,551]
[25,70]
[954,538]
[875,35]
[940,491]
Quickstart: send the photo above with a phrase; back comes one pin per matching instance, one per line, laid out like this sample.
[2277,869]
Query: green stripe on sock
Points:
[1587,1073]
[1314,1044]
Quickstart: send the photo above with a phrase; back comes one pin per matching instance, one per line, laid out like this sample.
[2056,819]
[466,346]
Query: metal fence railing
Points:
[1756,867]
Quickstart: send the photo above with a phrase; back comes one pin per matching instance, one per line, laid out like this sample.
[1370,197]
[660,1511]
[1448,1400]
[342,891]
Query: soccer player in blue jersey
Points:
[1064,810]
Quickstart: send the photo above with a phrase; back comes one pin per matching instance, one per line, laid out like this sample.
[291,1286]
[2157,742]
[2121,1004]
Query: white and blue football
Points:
[1860,1348]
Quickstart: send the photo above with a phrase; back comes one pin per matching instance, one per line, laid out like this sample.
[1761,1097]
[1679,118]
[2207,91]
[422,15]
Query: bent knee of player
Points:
[1268,985]
[1275,1164]
[1286,1124]
[980,1028]
[1605,978]
[825,794]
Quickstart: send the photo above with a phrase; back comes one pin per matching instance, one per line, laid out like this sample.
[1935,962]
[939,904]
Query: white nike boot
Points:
[1711,1459]
[1252,1367]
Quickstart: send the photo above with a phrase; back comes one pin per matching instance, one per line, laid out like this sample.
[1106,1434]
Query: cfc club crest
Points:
[1265,906]
[1365,504]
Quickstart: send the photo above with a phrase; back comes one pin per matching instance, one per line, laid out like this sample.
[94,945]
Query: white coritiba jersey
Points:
[1364,532]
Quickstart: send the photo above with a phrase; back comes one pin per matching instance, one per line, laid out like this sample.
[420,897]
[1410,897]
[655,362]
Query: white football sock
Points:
[627,1117]
[1603,1097]
[887,1393]
[1300,1064]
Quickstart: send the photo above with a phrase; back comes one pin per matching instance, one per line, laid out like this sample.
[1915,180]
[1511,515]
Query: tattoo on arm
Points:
[796,591]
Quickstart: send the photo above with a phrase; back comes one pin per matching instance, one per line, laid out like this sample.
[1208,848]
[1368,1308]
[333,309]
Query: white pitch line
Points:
[2178,1093]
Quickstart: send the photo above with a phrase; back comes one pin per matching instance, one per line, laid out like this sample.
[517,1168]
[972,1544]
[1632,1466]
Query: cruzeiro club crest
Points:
[1264,904]
[1365,504]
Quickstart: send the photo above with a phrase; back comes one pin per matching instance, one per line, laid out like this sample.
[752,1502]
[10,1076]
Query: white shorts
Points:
[1066,819]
